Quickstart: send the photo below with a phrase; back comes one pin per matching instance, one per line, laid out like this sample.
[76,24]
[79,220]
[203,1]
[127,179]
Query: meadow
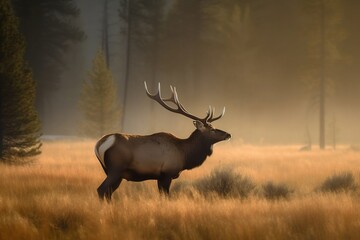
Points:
[55,198]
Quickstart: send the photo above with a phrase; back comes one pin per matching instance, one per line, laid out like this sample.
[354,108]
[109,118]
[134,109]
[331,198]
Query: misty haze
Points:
[261,61]
[179,119]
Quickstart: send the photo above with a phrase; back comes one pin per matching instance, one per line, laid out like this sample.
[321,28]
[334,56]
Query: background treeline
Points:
[263,60]
[34,38]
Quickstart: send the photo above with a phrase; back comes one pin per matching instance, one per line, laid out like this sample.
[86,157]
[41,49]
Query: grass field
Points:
[55,198]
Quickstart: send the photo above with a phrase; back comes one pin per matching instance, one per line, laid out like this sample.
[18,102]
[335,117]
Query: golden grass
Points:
[55,198]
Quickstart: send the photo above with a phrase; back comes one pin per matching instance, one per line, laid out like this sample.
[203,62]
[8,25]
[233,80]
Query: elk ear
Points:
[199,125]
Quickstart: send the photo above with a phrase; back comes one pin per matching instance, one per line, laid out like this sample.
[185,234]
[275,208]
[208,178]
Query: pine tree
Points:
[50,29]
[19,123]
[99,101]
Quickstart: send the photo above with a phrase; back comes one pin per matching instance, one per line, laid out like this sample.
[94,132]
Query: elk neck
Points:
[196,148]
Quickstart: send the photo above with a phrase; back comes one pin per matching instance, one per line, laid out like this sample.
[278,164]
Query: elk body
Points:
[160,156]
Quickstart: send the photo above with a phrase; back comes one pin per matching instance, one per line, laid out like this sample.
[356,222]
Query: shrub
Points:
[355,148]
[179,186]
[276,191]
[343,182]
[225,182]
[182,187]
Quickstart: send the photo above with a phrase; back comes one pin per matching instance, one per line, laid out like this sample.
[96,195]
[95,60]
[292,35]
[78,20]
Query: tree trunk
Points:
[154,64]
[2,86]
[127,62]
[334,132]
[322,79]
[1,128]
[105,35]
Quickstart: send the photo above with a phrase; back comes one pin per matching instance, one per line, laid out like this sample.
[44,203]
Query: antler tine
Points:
[209,114]
[218,117]
[147,91]
[209,110]
[172,98]
[176,98]
[159,90]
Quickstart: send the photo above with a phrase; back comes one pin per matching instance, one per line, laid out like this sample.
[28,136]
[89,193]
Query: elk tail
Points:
[101,147]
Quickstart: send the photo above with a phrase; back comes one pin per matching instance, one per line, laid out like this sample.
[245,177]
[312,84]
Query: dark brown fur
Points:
[119,159]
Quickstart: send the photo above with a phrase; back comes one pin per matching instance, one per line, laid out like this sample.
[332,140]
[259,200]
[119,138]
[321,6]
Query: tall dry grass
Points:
[55,198]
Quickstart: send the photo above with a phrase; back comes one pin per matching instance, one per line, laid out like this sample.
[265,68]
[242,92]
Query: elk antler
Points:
[180,108]
[211,119]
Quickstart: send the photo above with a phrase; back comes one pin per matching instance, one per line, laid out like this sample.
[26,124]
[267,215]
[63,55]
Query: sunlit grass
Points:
[55,198]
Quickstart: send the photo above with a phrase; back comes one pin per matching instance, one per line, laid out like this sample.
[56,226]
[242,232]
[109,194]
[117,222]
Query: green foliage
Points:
[99,101]
[49,28]
[147,19]
[225,182]
[343,182]
[274,191]
[19,123]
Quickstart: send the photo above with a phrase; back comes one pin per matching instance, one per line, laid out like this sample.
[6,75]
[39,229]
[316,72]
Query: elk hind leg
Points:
[110,184]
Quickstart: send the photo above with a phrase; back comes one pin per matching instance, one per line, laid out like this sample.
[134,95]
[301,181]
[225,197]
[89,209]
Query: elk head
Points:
[203,125]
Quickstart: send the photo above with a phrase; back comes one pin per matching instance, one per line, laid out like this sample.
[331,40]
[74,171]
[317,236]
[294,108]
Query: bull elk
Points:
[160,156]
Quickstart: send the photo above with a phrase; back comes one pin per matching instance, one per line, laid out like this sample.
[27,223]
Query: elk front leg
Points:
[164,184]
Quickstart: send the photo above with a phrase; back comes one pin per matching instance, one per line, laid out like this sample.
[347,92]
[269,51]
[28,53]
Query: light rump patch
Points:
[100,150]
